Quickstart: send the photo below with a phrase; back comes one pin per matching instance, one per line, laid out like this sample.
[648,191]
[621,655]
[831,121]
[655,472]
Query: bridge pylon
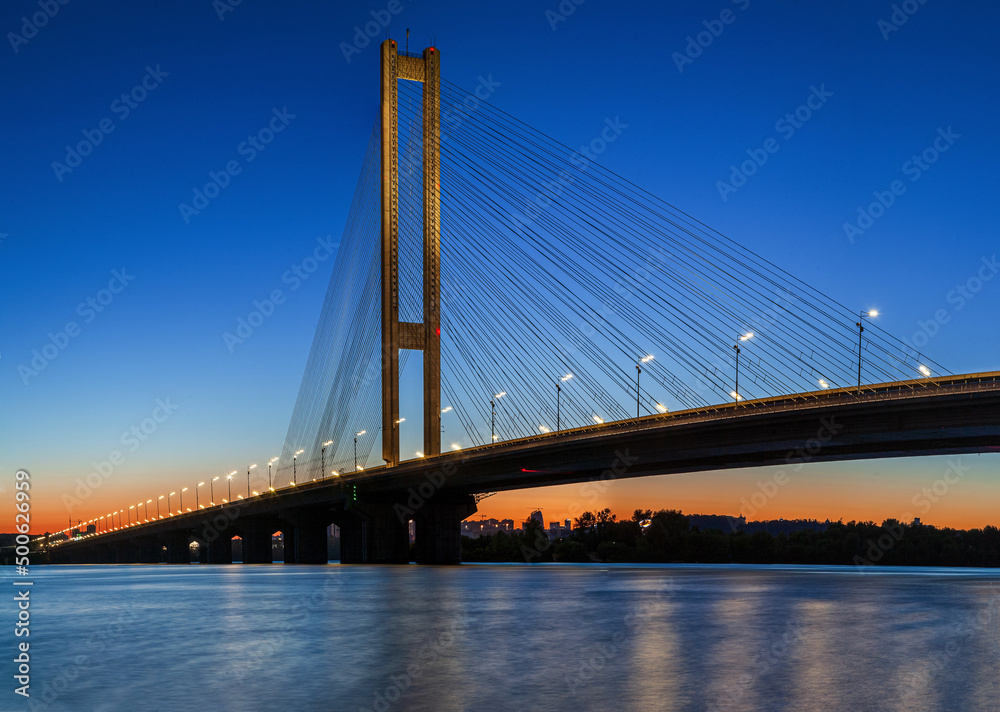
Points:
[398,335]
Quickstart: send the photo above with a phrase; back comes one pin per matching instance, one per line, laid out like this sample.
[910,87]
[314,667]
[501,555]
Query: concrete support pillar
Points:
[257,541]
[217,551]
[147,550]
[288,540]
[439,530]
[371,533]
[310,544]
[105,554]
[125,553]
[178,551]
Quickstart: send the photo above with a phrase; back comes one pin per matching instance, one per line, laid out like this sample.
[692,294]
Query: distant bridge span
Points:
[939,416]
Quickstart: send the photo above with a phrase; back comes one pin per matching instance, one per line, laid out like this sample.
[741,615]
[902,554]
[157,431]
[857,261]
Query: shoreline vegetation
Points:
[669,536]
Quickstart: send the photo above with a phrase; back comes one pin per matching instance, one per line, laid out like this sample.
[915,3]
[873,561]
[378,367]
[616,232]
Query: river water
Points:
[511,637]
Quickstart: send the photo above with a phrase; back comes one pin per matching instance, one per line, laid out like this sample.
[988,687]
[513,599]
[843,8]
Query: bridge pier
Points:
[256,535]
[219,551]
[303,532]
[125,553]
[310,544]
[288,540]
[147,550]
[178,550]
[439,529]
[371,533]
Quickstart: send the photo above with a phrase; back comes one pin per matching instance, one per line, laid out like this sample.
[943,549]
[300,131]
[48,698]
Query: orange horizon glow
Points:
[861,491]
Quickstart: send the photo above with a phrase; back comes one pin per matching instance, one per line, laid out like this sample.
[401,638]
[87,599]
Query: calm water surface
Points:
[479,637]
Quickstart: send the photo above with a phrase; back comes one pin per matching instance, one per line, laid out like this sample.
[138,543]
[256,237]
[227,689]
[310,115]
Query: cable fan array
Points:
[569,297]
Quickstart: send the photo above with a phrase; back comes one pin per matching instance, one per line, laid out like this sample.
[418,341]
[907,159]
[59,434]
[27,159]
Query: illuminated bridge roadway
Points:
[939,416]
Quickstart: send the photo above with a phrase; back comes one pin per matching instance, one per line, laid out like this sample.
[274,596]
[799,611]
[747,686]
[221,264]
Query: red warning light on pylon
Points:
[439,331]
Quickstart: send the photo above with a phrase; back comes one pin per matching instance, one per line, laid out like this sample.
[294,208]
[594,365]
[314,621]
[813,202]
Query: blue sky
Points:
[212,81]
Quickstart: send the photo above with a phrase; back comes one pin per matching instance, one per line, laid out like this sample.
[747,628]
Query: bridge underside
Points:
[436,494]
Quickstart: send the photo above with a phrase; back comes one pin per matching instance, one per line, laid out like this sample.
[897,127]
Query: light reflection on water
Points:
[560,637]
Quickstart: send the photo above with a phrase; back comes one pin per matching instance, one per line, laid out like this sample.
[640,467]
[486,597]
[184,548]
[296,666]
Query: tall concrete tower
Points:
[398,335]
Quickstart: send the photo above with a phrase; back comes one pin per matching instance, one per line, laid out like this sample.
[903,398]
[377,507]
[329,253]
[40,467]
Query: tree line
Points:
[667,536]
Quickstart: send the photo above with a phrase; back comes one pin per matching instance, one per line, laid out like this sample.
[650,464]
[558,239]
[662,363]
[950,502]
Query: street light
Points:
[229,478]
[248,478]
[861,328]
[131,507]
[356,448]
[196,504]
[185,489]
[638,370]
[169,510]
[294,457]
[158,505]
[736,393]
[147,508]
[559,395]
[269,463]
[322,457]
[211,488]
[493,414]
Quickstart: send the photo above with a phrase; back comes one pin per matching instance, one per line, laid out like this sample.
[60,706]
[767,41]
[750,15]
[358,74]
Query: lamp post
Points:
[169,510]
[493,414]
[211,489]
[269,463]
[322,457]
[148,501]
[744,337]
[861,318]
[294,458]
[197,505]
[183,490]
[559,396]
[158,505]
[638,370]
[356,448]
[229,479]
[131,507]
[248,478]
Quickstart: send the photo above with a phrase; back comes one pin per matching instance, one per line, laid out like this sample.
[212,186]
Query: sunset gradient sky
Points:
[154,349]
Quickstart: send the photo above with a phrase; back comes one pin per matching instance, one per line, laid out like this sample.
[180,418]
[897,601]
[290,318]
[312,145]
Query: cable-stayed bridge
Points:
[530,318]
